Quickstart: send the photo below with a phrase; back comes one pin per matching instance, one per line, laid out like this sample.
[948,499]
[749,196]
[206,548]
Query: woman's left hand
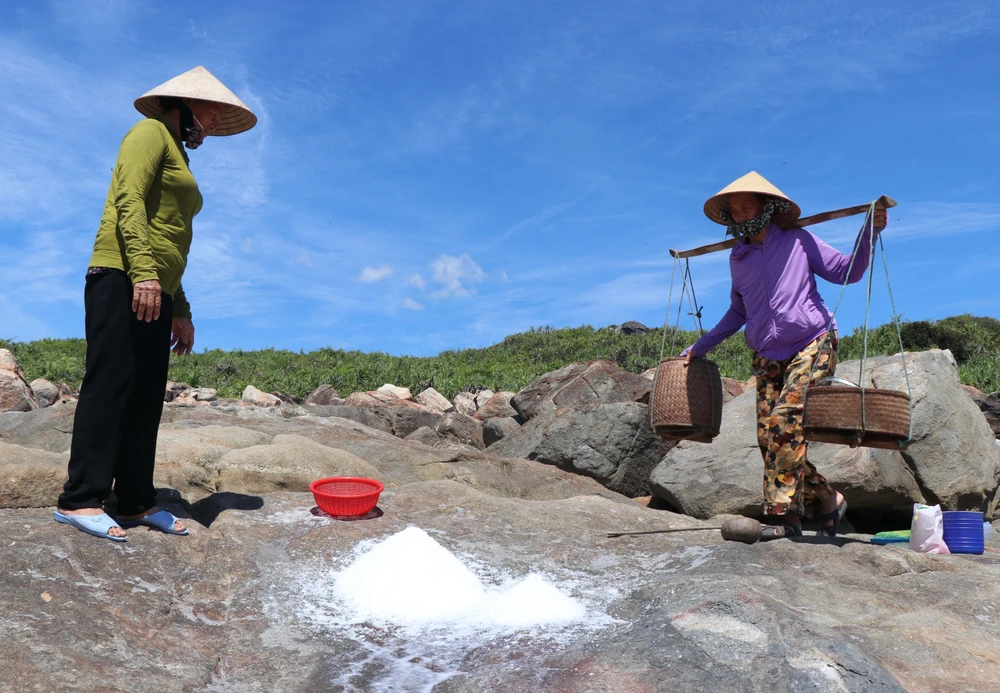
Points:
[182,335]
[881,219]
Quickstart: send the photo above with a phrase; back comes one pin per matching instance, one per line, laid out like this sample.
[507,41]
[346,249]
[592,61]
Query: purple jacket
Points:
[774,291]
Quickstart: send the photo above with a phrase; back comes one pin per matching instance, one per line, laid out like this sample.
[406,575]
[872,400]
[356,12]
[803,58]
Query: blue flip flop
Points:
[98,525]
[160,520]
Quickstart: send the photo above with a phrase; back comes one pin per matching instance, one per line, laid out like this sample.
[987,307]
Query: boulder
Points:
[324,395]
[173,391]
[432,399]
[580,384]
[496,429]
[497,406]
[205,394]
[425,435]
[377,399]
[482,397]
[464,429]
[46,393]
[15,393]
[632,327]
[952,459]
[989,405]
[46,429]
[254,396]
[609,442]
[465,403]
[405,420]
[400,392]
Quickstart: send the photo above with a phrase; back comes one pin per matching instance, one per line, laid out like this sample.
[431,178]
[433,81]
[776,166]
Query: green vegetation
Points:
[509,365]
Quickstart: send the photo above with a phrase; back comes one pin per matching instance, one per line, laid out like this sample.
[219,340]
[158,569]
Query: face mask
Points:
[194,135]
[751,227]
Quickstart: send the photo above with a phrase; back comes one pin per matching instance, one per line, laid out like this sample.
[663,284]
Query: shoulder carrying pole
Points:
[884,202]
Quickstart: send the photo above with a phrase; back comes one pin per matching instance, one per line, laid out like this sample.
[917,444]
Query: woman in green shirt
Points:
[135,305]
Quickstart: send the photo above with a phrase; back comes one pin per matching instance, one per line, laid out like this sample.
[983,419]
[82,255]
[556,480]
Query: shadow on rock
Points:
[205,511]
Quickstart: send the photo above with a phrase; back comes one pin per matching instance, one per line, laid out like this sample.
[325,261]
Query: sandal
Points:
[97,525]
[160,520]
[781,530]
[837,516]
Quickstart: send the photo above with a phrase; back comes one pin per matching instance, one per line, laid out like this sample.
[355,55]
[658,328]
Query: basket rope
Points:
[870,224]
[695,313]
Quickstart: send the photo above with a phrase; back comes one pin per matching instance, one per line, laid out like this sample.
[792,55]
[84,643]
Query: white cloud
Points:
[370,275]
[455,273]
[410,304]
[417,281]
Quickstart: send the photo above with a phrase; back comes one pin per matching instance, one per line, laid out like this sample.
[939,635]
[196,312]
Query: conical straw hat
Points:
[752,182]
[201,84]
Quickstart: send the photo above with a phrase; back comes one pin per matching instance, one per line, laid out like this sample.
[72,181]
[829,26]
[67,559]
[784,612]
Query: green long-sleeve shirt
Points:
[146,226]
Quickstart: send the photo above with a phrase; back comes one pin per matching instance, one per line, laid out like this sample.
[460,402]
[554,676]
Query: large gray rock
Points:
[580,384]
[952,460]
[244,604]
[609,442]
[47,429]
[462,428]
[46,393]
[496,429]
[405,420]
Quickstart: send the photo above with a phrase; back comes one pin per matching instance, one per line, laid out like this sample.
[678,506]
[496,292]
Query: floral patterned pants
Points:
[791,482]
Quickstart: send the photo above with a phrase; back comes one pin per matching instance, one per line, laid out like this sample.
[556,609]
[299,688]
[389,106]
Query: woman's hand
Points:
[146,298]
[881,219]
[688,357]
[182,336]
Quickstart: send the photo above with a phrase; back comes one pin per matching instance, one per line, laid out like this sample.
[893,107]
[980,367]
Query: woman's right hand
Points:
[146,299]
[687,357]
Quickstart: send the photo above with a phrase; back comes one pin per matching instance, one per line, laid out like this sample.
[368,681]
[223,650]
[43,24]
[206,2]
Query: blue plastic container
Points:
[963,531]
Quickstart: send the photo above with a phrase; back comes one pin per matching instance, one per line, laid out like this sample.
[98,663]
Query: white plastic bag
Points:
[927,529]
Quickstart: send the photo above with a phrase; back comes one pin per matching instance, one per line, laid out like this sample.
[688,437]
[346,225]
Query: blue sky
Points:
[437,175]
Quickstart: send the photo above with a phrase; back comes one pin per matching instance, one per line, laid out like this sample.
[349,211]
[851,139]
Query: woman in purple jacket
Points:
[774,294]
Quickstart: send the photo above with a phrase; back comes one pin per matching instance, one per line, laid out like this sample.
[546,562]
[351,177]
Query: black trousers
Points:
[121,399]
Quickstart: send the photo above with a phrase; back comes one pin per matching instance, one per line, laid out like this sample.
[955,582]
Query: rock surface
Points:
[244,604]
[609,442]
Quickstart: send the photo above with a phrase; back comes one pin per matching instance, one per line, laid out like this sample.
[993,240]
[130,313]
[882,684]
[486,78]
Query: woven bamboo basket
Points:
[687,401]
[833,414]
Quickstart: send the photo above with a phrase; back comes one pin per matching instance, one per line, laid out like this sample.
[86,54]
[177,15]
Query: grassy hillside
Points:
[509,365]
